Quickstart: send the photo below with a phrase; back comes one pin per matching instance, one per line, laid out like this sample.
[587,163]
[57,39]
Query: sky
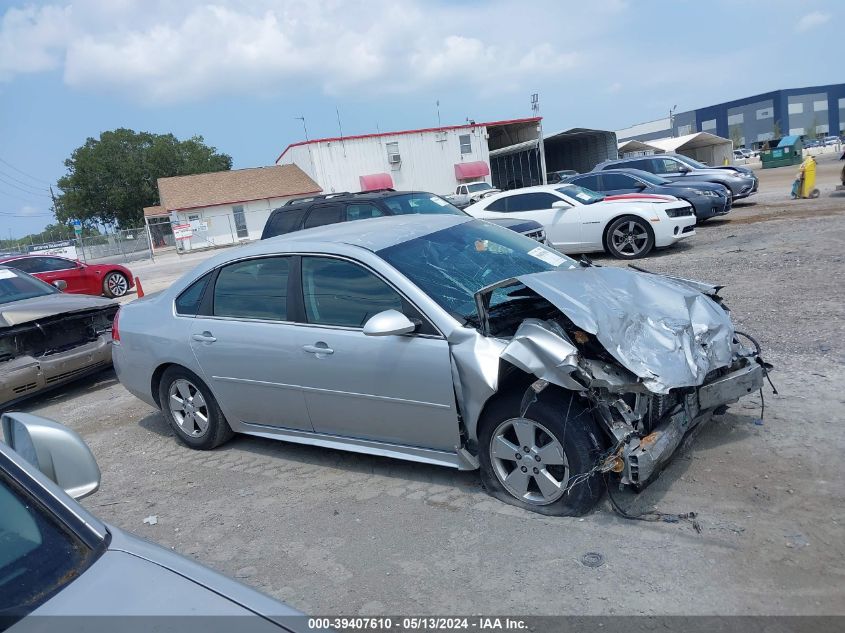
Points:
[240,72]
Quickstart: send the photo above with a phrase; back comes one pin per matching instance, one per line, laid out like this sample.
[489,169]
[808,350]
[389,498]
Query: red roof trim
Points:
[220,204]
[534,119]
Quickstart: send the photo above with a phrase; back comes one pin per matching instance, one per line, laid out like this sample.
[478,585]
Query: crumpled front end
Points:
[654,356]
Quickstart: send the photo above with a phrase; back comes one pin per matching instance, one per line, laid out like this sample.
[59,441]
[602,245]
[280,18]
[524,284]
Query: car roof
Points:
[346,196]
[621,170]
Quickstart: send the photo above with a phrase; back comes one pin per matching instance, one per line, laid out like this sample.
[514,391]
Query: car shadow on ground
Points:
[96,382]
[604,258]
[743,203]
[718,432]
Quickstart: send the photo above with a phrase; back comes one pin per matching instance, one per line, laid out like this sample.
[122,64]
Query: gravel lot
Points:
[330,532]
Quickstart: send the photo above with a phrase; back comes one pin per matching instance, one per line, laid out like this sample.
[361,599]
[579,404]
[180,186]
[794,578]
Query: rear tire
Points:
[562,441]
[191,410]
[629,237]
[115,285]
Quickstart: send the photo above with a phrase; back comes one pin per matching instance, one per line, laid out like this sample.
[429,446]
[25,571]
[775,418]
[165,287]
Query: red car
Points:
[111,280]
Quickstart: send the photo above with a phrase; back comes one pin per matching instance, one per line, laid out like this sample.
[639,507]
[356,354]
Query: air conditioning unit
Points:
[394,159]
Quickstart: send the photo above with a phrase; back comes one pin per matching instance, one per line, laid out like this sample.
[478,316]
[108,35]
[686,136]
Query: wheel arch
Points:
[155,381]
[610,222]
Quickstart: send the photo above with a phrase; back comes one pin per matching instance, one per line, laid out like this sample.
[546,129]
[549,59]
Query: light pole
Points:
[535,108]
[672,120]
[308,145]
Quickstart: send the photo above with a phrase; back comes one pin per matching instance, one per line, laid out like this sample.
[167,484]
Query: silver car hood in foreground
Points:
[134,577]
[27,310]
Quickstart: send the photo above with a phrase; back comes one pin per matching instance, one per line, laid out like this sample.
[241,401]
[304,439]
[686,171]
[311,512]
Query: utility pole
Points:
[535,108]
[672,120]
[438,114]
[308,144]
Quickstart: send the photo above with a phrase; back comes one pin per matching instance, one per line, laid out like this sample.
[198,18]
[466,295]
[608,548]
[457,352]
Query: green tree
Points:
[111,179]
[776,131]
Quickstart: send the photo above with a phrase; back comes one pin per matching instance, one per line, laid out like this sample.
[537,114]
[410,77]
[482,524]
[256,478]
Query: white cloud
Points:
[29,210]
[159,52]
[812,20]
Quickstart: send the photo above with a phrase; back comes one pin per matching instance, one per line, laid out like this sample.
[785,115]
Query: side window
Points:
[253,289]
[338,292]
[616,181]
[320,216]
[588,182]
[362,211]
[283,221]
[27,265]
[55,263]
[667,166]
[500,204]
[188,303]
[531,202]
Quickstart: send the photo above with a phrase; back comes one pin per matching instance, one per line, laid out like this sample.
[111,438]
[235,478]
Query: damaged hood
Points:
[665,331]
[36,308]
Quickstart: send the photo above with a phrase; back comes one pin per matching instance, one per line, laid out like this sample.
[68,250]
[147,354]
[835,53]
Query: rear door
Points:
[562,225]
[395,389]
[247,346]
[52,269]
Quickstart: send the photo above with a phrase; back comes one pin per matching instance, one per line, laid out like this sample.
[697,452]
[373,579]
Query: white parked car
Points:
[579,220]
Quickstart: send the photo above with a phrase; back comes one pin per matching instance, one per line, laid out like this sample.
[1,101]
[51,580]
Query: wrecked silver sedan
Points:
[442,340]
[48,338]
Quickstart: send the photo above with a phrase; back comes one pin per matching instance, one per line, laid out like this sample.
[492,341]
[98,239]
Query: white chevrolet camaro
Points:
[579,220]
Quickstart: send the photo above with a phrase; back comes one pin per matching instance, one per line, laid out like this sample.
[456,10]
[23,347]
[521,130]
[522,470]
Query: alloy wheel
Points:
[117,284]
[529,461]
[188,407]
[630,238]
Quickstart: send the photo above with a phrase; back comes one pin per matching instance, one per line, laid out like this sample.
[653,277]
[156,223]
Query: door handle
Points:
[205,337]
[319,348]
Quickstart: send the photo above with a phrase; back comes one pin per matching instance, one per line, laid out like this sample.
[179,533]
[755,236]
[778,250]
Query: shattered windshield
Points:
[452,265]
[15,286]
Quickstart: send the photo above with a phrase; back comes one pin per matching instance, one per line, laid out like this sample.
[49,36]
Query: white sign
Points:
[182,231]
[547,256]
[199,227]
[61,251]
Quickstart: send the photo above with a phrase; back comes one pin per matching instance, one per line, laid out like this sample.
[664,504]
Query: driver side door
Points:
[562,225]
[395,389]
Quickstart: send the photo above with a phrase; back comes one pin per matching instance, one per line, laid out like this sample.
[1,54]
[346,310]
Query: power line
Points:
[18,196]
[32,192]
[20,171]
[22,182]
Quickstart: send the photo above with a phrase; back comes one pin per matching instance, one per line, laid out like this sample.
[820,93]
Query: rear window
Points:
[188,303]
[283,221]
[253,289]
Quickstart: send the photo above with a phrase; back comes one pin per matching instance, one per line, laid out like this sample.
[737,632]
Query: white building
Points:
[227,207]
[431,159]
[702,146]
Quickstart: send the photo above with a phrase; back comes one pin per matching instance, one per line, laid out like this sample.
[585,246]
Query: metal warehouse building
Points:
[808,112]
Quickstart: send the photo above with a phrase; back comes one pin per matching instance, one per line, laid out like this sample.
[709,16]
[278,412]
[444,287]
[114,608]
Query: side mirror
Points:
[684,169]
[55,450]
[560,204]
[641,186]
[388,323]
[61,284]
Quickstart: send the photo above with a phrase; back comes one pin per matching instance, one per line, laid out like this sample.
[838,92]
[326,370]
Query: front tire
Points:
[534,460]
[629,237]
[191,410]
[115,285]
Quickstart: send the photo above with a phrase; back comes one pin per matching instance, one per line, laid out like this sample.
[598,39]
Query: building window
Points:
[842,104]
[820,106]
[466,143]
[708,125]
[822,129]
[765,113]
[796,108]
[393,156]
[683,130]
[240,221]
[766,136]
[736,119]
[796,131]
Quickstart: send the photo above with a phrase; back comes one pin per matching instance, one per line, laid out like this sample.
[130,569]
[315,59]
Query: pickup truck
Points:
[470,192]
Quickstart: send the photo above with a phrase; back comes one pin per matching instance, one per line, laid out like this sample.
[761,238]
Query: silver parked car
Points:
[57,559]
[444,340]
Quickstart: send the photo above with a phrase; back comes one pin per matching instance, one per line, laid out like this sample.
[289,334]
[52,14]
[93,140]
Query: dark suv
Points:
[306,213]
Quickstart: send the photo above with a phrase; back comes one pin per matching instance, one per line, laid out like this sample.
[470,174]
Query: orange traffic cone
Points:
[139,287]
